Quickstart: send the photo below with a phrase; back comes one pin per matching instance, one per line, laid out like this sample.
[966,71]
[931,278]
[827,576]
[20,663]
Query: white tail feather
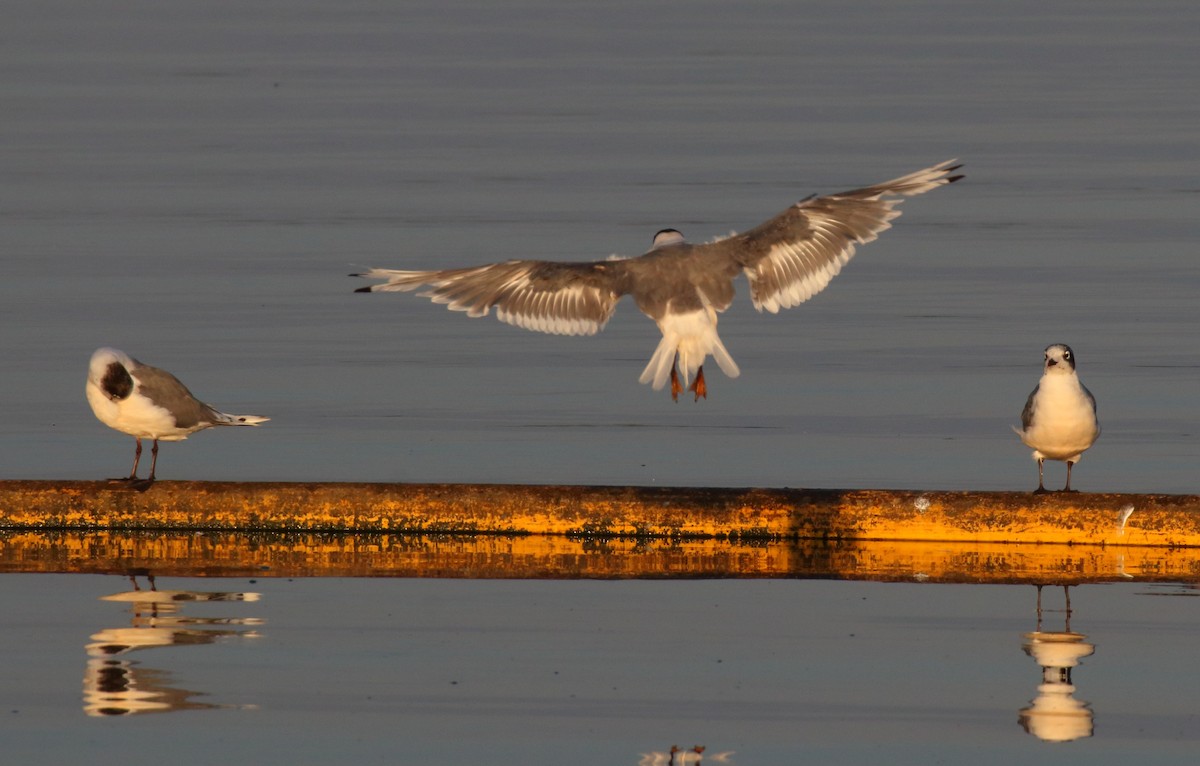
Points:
[659,368]
[225,419]
[693,337]
[724,360]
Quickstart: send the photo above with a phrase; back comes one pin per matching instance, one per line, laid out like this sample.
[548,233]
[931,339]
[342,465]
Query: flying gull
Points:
[681,286]
[148,403]
[1059,421]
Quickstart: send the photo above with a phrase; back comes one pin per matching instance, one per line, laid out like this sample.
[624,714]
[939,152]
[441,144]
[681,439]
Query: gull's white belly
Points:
[1064,422]
[135,415]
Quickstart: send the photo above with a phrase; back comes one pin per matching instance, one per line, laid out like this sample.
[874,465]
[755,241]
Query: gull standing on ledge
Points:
[1059,421]
[681,286]
[148,403]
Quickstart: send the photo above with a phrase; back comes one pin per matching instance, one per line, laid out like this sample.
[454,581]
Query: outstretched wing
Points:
[793,256]
[550,297]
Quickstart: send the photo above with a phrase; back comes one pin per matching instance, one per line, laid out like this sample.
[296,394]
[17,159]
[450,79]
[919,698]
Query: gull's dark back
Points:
[674,272]
[168,392]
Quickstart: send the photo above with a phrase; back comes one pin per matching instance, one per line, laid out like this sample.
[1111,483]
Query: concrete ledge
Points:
[1171,521]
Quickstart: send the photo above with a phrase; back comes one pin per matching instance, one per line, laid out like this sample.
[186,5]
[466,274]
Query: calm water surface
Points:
[458,671]
[192,186]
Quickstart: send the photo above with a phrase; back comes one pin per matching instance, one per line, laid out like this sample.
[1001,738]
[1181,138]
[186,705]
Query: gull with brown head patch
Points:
[681,286]
[148,403]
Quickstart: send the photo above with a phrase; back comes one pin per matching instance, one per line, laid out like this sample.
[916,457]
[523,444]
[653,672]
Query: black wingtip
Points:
[363,290]
[952,179]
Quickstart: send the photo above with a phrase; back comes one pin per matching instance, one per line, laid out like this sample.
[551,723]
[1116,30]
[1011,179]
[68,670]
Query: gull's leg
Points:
[1041,490]
[137,456]
[1068,487]
[698,387]
[676,388]
[141,485]
[154,461]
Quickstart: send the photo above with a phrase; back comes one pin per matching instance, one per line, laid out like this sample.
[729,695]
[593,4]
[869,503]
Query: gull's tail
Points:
[225,419]
[693,336]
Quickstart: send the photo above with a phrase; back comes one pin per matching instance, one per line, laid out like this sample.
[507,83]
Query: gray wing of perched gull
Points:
[167,391]
[1027,413]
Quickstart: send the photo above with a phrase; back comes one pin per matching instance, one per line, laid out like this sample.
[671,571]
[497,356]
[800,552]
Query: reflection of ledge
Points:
[730,514]
[547,556]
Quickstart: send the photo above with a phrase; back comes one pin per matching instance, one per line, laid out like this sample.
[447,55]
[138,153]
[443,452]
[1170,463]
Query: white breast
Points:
[134,415]
[1064,421]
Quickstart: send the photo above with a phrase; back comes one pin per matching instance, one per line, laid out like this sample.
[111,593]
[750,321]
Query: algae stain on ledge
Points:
[612,511]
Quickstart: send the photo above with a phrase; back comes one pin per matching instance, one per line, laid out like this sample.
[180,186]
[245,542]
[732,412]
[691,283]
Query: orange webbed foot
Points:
[698,387]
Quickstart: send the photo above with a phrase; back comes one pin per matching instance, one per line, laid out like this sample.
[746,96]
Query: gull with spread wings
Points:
[681,286]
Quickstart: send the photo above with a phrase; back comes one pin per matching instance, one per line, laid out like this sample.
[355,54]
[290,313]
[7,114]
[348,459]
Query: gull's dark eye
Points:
[1066,355]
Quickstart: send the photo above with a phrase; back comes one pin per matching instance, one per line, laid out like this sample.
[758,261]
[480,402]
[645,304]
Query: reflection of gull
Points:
[114,686]
[163,602]
[167,618]
[148,403]
[1055,715]
[176,596]
[676,756]
[681,286]
[121,640]
[1059,420]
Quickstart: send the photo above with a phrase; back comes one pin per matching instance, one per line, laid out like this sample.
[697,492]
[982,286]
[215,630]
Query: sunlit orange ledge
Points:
[733,514]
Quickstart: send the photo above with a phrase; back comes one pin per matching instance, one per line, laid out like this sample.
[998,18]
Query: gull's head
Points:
[109,372]
[1059,359]
[667,237]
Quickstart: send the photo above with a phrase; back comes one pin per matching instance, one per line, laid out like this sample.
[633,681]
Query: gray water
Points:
[192,182]
[193,186]
[525,672]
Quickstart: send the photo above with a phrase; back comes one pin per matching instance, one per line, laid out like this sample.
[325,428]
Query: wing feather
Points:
[796,254]
[545,296]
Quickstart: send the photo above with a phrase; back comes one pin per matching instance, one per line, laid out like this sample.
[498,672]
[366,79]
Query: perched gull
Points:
[681,286]
[1059,421]
[148,403]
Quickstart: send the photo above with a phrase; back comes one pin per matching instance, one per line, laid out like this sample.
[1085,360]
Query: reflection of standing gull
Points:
[145,599]
[678,756]
[1059,421]
[1055,715]
[148,403]
[114,686]
[681,286]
